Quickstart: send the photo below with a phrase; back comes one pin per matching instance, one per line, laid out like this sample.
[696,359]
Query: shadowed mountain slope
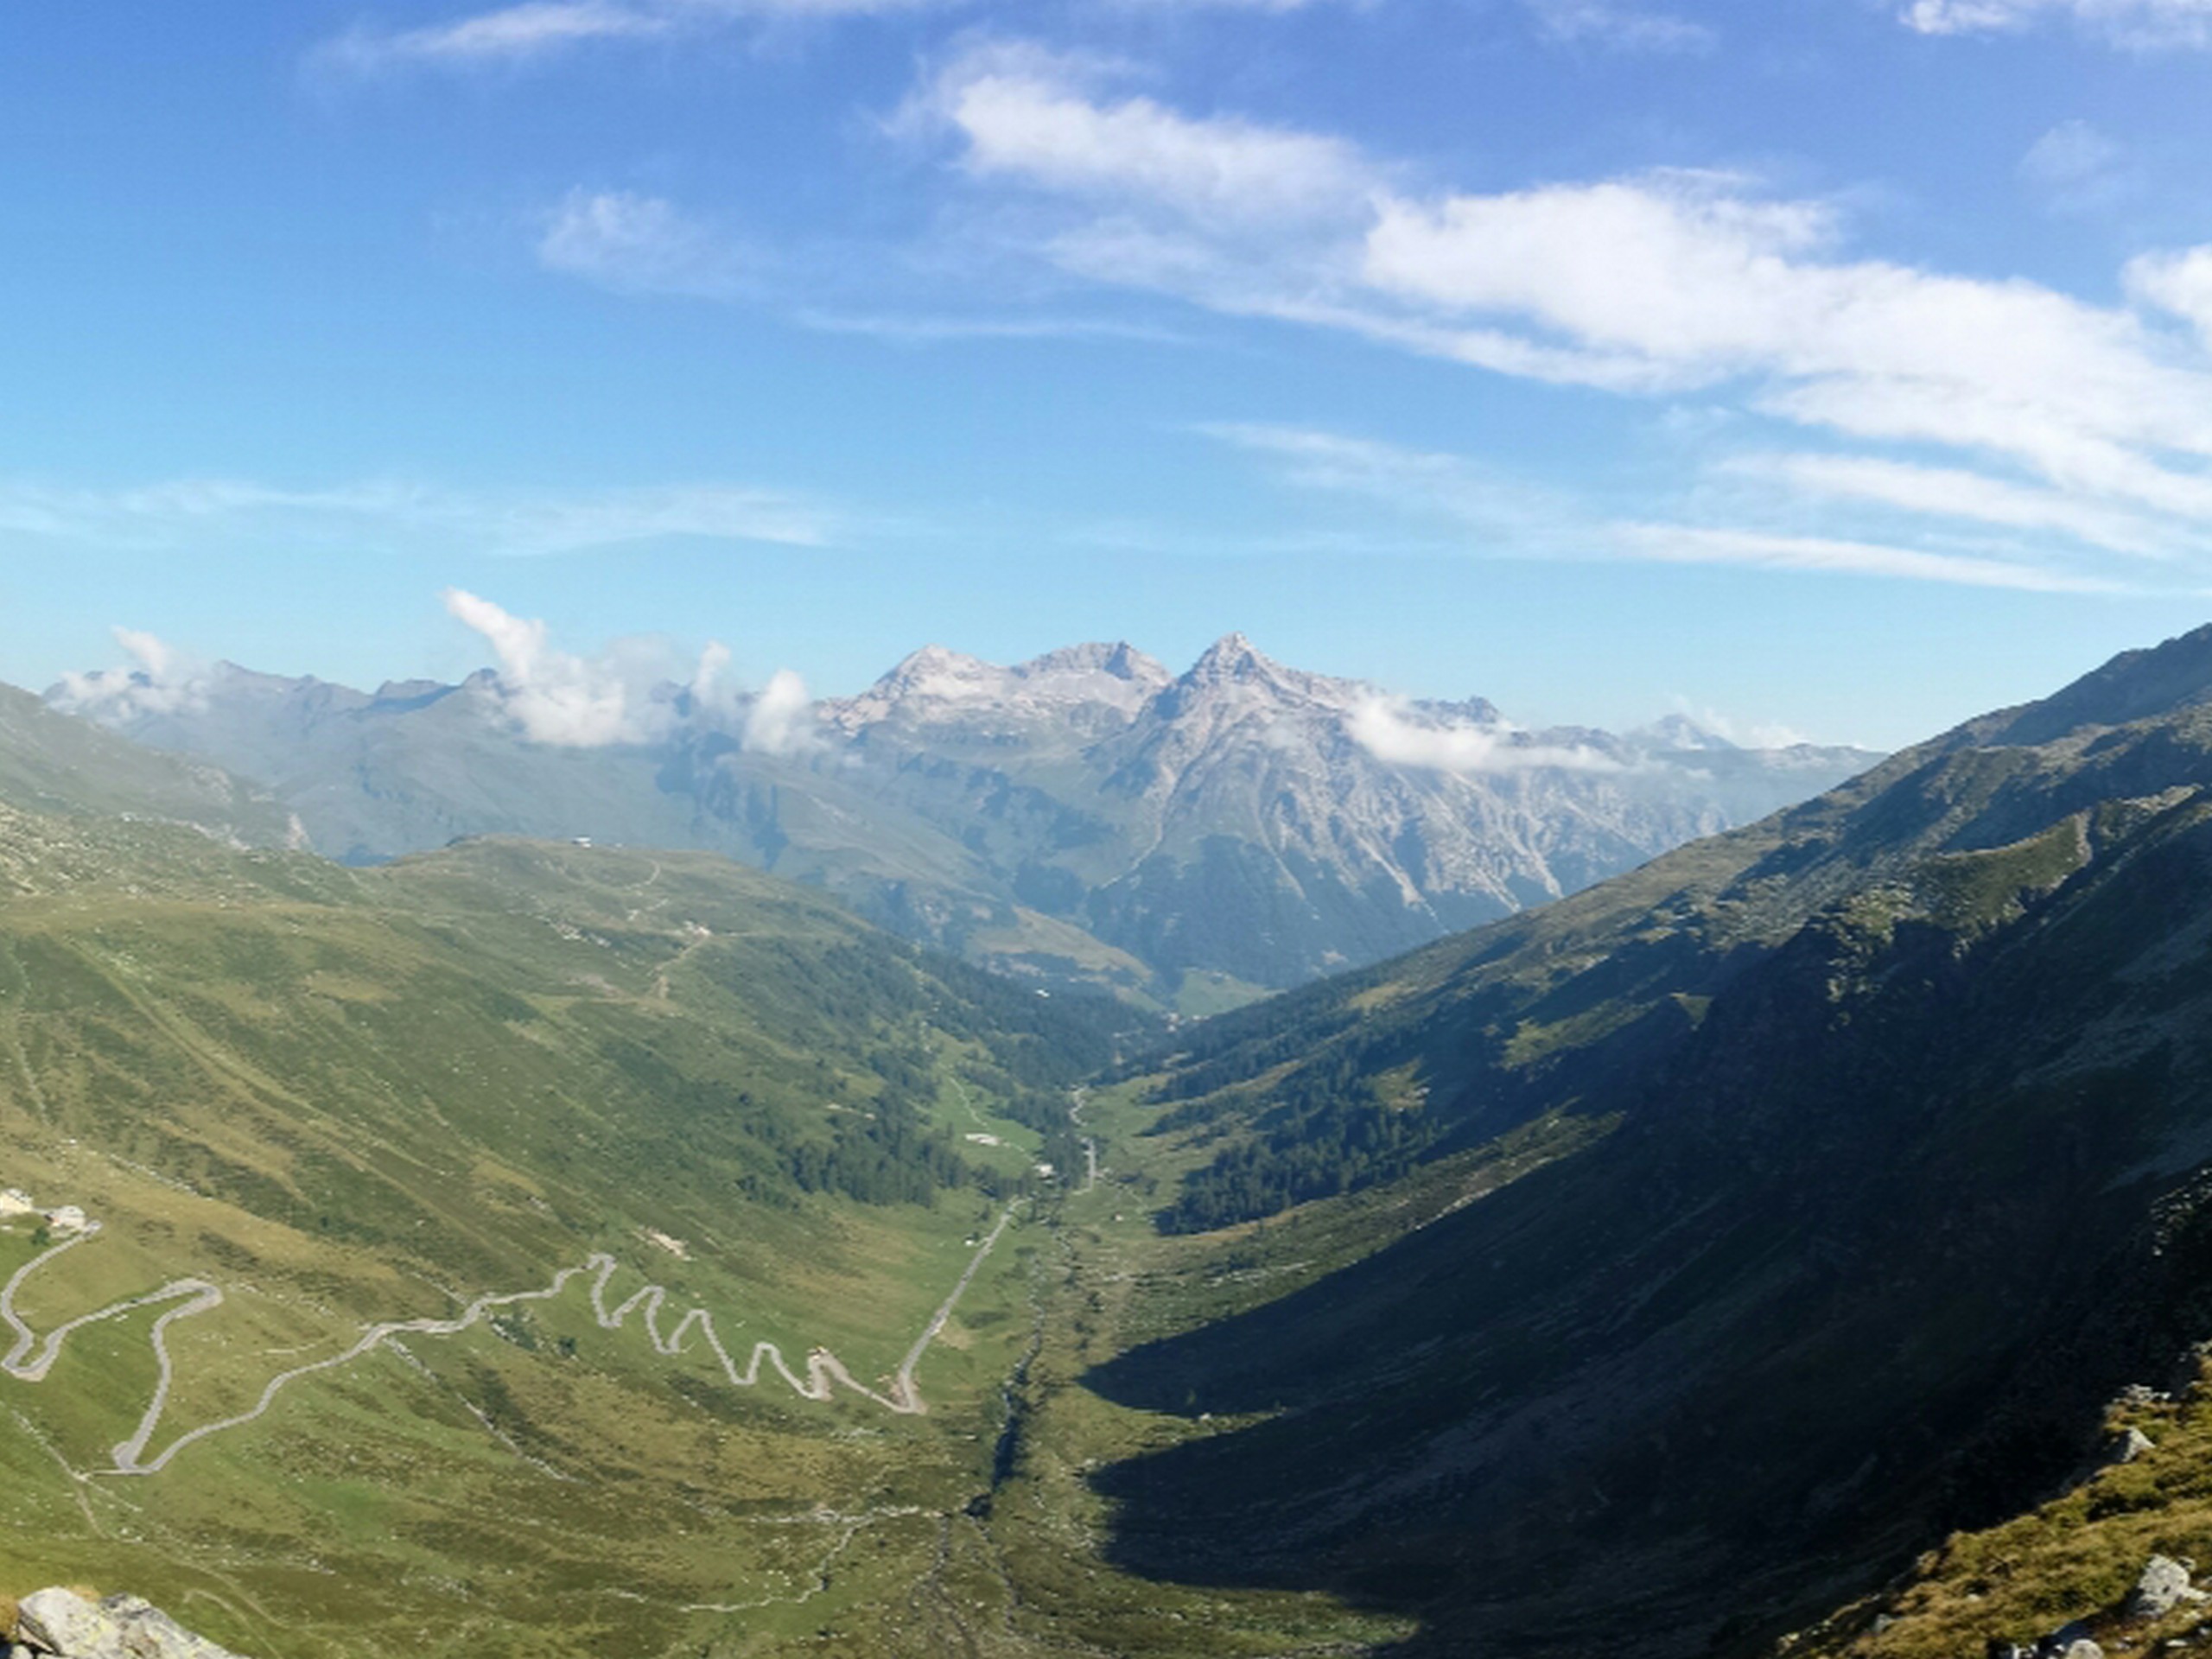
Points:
[1912,1108]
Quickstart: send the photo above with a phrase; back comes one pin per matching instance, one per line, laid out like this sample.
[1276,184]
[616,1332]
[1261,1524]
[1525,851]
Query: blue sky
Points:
[1837,366]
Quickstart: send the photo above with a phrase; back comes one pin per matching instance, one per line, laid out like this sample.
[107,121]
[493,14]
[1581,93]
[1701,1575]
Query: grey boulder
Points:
[64,1623]
[2162,1587]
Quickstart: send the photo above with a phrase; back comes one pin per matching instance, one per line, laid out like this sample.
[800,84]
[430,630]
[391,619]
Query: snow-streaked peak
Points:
[1092,684]
[1679,732]
[934,671]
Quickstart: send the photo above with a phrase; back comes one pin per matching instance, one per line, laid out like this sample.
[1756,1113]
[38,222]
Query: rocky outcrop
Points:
[2162,1587]
[57,1623]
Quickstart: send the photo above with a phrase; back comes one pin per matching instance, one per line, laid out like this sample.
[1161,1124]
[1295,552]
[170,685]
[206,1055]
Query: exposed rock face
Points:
[64,1624]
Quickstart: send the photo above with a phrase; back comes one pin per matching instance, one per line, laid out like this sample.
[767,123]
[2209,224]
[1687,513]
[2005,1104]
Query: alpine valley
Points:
[1085,817]
[520,1247]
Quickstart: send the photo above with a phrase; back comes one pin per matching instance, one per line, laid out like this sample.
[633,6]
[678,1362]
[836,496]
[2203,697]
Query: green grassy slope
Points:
[345,1097]
[2072,1560]
[1889,1115]
[1488,1028]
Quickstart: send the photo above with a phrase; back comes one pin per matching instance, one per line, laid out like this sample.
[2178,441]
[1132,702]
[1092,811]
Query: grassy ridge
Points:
[348,1097]
[1870,1144]
[2072,1559]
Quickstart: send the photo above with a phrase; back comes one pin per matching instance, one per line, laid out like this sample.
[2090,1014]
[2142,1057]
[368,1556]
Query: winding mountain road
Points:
[30,1357]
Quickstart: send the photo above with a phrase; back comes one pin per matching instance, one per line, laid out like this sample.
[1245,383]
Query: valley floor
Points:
[576,1463]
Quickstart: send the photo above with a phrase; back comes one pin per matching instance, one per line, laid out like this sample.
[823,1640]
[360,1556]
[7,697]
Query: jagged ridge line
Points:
[824,1370]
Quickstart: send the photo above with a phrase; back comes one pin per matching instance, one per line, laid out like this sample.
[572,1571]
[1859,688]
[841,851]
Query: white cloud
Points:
[931,330]
[1748,734]
[1035,117]
[641,244]
[555,697]
[1394,731]
[2077,169]
[1511,515]
[2068,154]
[1702,544]
[2145,25]
[1619,28]
[781,718]
[1951,493]
[2179,283]
[542,29]
[191,511]
[157,680]
[631,691]
[515,33]
[626,693]
[2053,416]
[1515,521]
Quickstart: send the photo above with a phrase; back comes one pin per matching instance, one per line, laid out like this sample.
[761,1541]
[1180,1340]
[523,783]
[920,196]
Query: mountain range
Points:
[1657,1272]
[1086,816]
[1862,1159]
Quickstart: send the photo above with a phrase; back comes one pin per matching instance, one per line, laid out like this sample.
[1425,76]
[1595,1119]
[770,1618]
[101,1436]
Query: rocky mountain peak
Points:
[935,671]
[1090,687]
[1120,661]
[1232,657]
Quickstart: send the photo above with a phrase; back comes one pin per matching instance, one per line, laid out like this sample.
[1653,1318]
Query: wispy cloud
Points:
[155,679]
[2143,24]
[514,34]
[1619,28]
[933,330]
[1956,494]
[635,244]
[539,30]
[1503,519]
[1703,544]
[1394,730]
[190,512]
[2016,406]
[630,691]
[1261,6]
[1508,514]
[1048,119]
[2074,168]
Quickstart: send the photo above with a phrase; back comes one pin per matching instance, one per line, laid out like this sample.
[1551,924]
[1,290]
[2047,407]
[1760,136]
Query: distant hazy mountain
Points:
[55,765]
[1084,816]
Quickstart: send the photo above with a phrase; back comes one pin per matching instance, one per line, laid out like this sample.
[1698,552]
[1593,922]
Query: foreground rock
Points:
[2162,1587]
[64,1624]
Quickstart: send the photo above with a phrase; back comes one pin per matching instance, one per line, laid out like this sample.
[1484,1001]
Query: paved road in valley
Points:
[31,1357]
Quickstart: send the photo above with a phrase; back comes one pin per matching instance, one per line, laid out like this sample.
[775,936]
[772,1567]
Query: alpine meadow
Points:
[1106,829]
